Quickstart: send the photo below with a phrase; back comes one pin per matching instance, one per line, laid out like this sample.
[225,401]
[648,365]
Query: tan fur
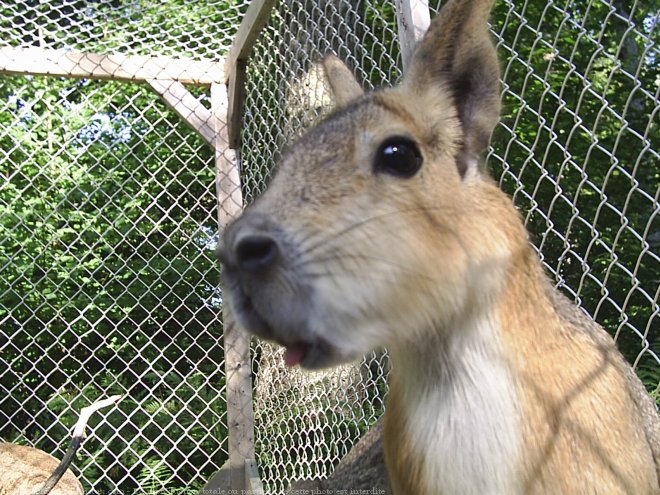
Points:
[24,470]
[580,402]
[345,88]
[499,384]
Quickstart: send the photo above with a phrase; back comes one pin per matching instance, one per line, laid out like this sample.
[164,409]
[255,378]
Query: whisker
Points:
[341,257]
[323,236]
[372,277]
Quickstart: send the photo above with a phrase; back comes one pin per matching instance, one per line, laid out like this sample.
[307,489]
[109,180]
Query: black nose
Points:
[256,253]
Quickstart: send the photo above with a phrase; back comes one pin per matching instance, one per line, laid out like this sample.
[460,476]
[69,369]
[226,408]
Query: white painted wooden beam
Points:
[238,369]
[253,22]
[66,63]
[189,108]
[413,18]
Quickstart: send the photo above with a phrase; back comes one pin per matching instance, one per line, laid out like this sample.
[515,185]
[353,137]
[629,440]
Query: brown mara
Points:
[381,229]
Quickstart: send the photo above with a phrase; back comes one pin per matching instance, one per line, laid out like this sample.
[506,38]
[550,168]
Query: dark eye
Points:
[398,156]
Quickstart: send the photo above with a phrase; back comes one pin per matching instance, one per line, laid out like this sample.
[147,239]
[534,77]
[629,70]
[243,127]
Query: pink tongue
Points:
[294,354]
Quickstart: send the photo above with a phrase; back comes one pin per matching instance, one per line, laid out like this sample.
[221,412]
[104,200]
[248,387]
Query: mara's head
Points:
[380,223]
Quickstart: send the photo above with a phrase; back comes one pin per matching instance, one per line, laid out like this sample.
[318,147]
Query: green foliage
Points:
[573,151]
[191,28]
[107,218]
[107,227]
[109,279]
[154,477]
[185,429]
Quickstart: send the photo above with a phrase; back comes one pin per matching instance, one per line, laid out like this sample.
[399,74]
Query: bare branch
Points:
[78,436]
[86,412]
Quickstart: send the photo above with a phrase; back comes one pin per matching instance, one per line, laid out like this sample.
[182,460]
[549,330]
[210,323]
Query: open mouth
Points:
[295,354]
[312,355]
[252,321]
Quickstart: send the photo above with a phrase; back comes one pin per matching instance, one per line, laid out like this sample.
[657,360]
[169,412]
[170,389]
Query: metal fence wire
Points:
[108,224]
[108,217]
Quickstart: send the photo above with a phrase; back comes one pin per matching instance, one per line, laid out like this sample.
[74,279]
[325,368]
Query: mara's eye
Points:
[398,156]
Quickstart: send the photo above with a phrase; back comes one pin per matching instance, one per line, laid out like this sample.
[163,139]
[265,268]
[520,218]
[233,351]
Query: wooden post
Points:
[240,416]
[253,22]
[189,108]
[413,19]
[236,97]
[253,482]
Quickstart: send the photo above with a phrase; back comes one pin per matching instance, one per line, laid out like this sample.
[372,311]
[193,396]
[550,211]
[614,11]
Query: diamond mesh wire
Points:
[195,29]
[576,149]
[305,423]
[108,285]
[108,223]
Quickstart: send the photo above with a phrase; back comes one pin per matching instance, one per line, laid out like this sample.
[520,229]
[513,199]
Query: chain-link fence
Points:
[108,216]
[108,224]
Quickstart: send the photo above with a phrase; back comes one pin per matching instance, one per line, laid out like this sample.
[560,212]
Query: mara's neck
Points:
[453,412]
[474,341]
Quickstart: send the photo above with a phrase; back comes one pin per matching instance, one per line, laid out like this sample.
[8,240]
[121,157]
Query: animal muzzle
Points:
[263,285]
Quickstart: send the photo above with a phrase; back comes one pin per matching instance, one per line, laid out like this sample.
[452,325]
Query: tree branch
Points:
[76,441]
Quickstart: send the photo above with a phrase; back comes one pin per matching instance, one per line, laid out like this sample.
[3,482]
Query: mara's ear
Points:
[457,53]
[343,84]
